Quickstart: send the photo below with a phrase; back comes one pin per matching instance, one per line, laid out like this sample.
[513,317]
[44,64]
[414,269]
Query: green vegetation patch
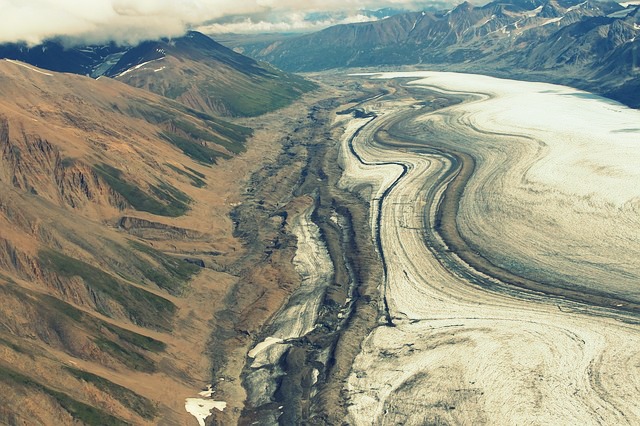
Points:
[144,308]
[179,270]
[137,403]
[259,94]
[229,130]
[141,341]
[233,136]
[177,202]
[189,134]
[96,327]
[195,180]
[149,113]
[61,317]
[131,359]
[175,91]
[195,172]
[67,162]
[170,193]
[192,149]
[14,347]
[79,410]
[56,306]
[225,128]
[167,272]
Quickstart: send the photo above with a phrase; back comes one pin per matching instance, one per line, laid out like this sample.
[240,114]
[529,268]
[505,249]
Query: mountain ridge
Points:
[193,69]
[590,45]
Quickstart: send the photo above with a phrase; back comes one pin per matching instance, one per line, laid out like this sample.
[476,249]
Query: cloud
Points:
[35,20]
[287,23]
[130,21]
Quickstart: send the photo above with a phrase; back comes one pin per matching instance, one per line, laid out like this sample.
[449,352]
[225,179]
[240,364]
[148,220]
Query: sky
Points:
[131,21]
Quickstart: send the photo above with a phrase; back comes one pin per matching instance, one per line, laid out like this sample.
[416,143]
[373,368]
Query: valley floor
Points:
[481,233]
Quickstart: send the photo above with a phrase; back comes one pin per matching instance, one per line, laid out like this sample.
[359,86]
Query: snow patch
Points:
[578,6]
[207,393]
[202,408]
[552,20]
[28,67]
[263,345]
[138,67]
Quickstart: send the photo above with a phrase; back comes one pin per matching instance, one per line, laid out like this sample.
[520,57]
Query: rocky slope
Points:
[107,245]
[589,45]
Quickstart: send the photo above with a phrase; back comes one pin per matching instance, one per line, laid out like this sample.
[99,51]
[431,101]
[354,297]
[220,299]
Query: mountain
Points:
[194,70]
[205,75]
[105,220]
[590,45]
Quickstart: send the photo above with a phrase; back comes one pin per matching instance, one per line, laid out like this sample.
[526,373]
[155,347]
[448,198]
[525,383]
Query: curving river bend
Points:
[508,225]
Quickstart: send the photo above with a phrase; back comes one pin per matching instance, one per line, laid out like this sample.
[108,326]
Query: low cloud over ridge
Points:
[130,21]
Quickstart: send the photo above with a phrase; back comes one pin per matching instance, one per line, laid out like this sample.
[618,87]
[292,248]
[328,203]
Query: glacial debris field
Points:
[507,224]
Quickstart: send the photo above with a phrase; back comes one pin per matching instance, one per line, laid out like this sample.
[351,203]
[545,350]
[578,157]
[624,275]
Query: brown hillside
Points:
[113,216]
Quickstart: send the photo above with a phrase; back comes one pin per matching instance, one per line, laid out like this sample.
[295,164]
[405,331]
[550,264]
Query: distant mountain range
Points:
[590,45]
[194,69]
[385,12]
